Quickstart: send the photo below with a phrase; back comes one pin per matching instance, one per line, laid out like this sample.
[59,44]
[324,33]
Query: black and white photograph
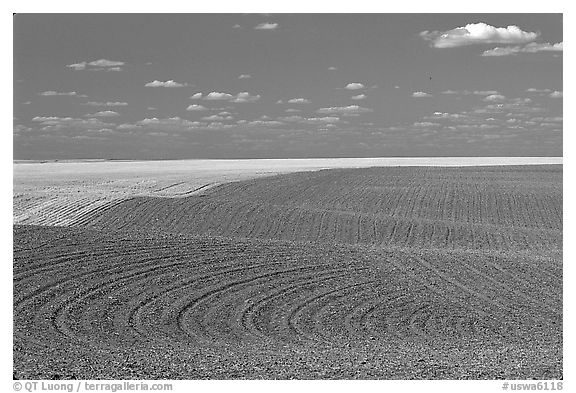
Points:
[287,196]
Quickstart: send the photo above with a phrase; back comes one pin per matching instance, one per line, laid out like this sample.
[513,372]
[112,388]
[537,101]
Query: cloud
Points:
[354,86]
[299,101]
[127,126]
[196,108]
[332,68]
[55,123]
[106,63]
[273,123]
[533,90]
[104,114]
[169,83]
[292,110]
[56,93]
[484,92]
[77,66]
[425,124]
[421,94]
[533,47]
[216,96]
[196,96]
[495,98]
[107,104]
[359,97]
[98,65]
[344,109]
[478,33]
[213,117]
[246,97]
[321,120]
[451,92]
[266,26]
[556,94]
[245,76]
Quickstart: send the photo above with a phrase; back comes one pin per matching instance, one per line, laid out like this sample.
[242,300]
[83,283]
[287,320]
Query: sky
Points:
[167,86]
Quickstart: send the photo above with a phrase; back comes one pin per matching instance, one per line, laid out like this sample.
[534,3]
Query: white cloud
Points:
[495,98]
[478,33]
[359,97]
[236,26]
[533,90]
[107,104]
[216,96]
[104,114]
[56,93]
[54,123]
[299,101]
[98,65]
[245,76]
[421,94]
[321,120]
[532,47]
[127,126]
[484,92]
[196,96]
[556,94]
[78,66]
[451,92]
[425,124]
[266,26]
[169,83]
[106,63]
[195,107]
[213,118]
[354,86]
[246,97]
[332,68]
[292,110]
[273,123]
[345,109]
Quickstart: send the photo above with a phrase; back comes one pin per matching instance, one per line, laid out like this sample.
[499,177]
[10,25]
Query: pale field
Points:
[59,193]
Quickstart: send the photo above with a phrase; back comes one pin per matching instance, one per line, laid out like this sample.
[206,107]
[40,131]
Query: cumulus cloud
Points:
[245,76]
[107,104]
[169,83]
[485,92]
[332,68]
[216,96]
[195,107]
[321,120]
[246,97]
[354,86]
[425,124]
[196,96]
[106,63]
[532,47]
[55,123]
[478,33]
[556,94]
[213,118]
[56,93]
[495,98]
[344,109]
[533,90]
[104,114]
[77,66]
[266,26]
[98,65]
[359,97]
[421,94]
[269,123]
[299,101]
